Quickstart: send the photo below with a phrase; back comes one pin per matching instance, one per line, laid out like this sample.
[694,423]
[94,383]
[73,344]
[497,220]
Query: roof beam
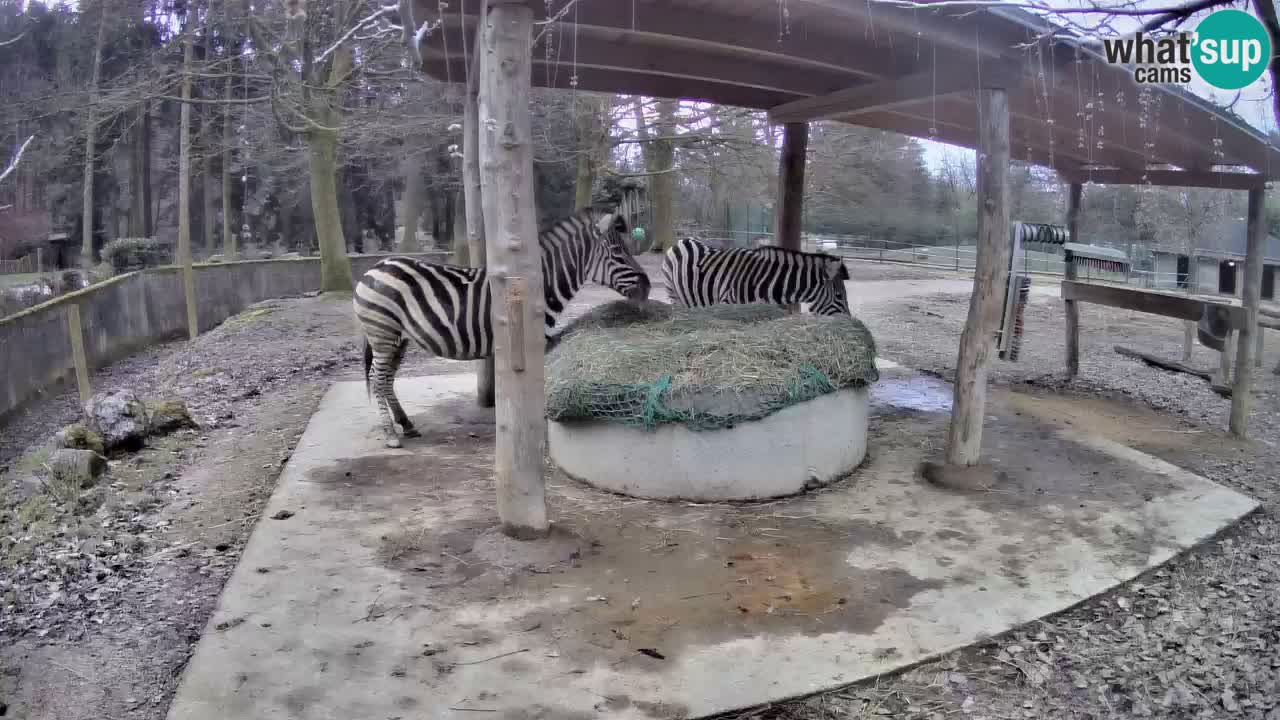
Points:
[1172,178]
[680,25]
[624,52]
[624,82]
[891,93]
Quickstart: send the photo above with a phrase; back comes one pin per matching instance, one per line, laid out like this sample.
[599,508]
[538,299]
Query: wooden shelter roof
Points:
[907,70]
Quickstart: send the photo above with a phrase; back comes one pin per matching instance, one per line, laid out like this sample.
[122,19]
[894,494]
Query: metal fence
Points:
[27,264]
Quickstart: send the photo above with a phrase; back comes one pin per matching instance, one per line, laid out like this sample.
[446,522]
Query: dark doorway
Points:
[1268,282]
[1184,270]
[1227,277]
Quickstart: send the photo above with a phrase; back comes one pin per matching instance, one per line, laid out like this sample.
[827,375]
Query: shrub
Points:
[125,254]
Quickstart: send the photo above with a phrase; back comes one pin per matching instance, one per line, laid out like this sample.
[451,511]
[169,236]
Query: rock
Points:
[84,467]
[78,437]
[214,259]
[120,418]
[167,416]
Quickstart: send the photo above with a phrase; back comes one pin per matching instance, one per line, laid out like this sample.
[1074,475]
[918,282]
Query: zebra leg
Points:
[393,402]
[383,376]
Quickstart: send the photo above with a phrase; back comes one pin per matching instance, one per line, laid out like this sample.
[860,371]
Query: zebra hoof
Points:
[393,442]
[411,432]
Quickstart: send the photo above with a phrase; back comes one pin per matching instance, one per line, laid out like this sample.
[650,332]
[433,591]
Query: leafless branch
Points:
[13,39]
[13,164]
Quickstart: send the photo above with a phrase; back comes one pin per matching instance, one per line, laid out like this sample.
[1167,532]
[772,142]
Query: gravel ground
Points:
[1196,638]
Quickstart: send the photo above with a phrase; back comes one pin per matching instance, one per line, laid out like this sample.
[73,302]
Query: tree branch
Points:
[13,164]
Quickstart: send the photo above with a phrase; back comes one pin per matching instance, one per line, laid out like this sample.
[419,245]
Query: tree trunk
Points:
[664,217]
[210,206]
[472,204]
[411,206]
[90,146]
[335,267]
[592,133]
[140,175]
[659,156]
[515,269]
[230,233]
[184,187]
[460,254]
[964,436]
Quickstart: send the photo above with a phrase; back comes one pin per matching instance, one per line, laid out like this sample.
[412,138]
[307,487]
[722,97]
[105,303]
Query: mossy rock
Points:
[78,436]
[170,415]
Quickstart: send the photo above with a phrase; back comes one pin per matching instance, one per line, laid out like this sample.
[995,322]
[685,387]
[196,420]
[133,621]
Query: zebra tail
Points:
[368,363]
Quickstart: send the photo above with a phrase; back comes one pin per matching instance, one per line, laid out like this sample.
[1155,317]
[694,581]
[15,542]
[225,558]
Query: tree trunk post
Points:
[789,218]
[1250,296]
[515,267]
[184,191]
[75,332]
[1069,272]
[472,200]
[964,437]
[229,230]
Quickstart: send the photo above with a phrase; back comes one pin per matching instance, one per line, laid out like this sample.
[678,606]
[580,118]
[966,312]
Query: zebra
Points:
[445,308]
[698,275]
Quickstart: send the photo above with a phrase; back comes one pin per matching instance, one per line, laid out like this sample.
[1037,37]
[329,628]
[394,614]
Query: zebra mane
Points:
[790,251]
[589,216]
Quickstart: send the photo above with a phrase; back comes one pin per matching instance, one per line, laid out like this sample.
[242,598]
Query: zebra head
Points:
[829,296]
[611,263]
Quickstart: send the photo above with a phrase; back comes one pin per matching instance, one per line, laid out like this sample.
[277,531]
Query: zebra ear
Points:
[836,270]
[621,225]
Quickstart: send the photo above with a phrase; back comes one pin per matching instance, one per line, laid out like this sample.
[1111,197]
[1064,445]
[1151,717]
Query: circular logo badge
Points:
[1232,49]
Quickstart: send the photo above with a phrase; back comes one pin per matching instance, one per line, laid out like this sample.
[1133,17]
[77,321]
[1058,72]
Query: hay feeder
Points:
[712,404]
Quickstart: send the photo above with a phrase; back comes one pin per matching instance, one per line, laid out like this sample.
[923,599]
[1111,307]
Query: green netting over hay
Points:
[708,368]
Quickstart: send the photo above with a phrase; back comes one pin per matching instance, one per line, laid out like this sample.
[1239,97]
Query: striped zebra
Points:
[698,275]
[445,308]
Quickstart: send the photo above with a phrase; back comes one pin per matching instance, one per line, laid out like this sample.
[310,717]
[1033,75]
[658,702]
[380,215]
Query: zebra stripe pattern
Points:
[445,309]
[697,275]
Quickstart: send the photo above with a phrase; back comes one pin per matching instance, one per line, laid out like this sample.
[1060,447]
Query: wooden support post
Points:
[515,267]
[472,201]
[964,437]
[1070,307]
[40,260]
[1225,360]
[76,333]
[789,218]
[1251,297]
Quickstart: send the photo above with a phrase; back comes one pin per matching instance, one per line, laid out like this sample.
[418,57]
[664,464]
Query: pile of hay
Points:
[707,368]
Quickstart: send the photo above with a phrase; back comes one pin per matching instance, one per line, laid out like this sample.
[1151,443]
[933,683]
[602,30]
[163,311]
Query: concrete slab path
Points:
[375,586]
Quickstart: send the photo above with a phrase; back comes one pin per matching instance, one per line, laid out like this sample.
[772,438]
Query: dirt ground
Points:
[109,634]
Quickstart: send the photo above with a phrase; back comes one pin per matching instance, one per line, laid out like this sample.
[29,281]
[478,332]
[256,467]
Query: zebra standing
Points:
[698,275]
[445,308]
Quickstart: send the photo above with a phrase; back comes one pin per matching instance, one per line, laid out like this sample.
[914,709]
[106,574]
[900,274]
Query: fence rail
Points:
[957,257]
